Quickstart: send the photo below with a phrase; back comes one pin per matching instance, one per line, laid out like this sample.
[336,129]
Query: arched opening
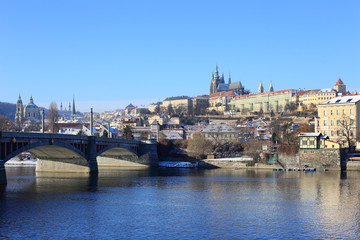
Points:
[118,156]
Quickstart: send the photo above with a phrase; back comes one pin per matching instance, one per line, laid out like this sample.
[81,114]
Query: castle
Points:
[218,84]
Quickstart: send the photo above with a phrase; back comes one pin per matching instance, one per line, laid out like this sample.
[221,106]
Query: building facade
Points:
[339,118]
[30,112]
[263,101]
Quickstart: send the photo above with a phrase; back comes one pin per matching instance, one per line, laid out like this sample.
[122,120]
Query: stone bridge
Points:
[72,153]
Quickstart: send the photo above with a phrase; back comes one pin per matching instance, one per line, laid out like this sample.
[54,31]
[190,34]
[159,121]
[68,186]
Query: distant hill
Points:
[8,109]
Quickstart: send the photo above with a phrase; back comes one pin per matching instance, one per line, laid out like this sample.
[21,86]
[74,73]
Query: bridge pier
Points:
[3,180]
[91,155]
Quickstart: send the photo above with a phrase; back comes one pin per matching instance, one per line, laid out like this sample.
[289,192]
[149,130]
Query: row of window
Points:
[338,112]
[338,122]
[338,133]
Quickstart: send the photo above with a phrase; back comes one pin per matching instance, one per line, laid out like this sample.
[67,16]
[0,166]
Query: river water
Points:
[180,204]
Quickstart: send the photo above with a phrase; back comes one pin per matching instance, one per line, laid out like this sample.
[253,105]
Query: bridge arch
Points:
[37,145]
[116,146]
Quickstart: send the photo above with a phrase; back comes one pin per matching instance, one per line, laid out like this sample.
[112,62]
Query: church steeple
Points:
[19,100]
[271,89]
[261,88]
[73,107]
[229,79]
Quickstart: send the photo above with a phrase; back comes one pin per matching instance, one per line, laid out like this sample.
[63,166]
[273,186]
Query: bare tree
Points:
[32,126]
[127,133]
[53,117]
[6,124]
[198,146]
[348,129]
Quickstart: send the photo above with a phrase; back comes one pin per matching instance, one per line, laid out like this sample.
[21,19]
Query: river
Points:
[180,204]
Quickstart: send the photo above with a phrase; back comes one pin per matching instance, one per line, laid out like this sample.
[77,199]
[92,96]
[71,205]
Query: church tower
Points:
[261,88]
[340,87]
[229,79]
[271,89]
[19,110]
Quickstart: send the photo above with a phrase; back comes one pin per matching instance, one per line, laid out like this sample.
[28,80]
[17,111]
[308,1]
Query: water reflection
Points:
[158,203]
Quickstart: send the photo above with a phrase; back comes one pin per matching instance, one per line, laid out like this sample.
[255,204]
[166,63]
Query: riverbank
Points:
[17,162]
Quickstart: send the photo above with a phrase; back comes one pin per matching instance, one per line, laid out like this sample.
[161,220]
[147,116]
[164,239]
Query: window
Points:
[338,133]
[332,133]
[324,122]
[344,111]
[332,122]
[325,132]
[351,121]
[324,112]
[338,122]
[337,112]
[331,112]
[304,142]
[351,111]
[312,142]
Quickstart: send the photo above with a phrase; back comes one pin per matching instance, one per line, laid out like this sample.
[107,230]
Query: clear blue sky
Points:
[112,53]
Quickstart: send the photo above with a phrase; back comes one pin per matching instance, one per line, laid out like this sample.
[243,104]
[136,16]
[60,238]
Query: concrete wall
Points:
[62,165]
[211,163]
[288,161]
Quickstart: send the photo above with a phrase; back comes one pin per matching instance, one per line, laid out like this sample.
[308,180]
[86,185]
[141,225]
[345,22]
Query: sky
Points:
[108,54]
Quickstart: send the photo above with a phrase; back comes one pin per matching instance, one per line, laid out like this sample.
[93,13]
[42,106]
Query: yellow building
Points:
[318,96]
[263,101]
[219,100]
[182,102]
[316,141]
[339,118]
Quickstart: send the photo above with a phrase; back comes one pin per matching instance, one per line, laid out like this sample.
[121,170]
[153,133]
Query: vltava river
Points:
[180,204]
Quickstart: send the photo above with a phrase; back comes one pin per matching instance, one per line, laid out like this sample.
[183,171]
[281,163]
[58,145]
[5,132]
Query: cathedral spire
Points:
[229,79]
[271,89]
[216,73]
[261,88]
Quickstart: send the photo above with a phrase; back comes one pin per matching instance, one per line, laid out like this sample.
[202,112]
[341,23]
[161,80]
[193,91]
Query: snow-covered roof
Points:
[343,99]
[309,134]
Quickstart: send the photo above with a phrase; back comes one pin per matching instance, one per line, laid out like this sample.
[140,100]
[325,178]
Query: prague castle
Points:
[218,84]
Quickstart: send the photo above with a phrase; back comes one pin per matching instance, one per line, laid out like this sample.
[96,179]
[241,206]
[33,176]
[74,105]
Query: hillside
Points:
[8,109]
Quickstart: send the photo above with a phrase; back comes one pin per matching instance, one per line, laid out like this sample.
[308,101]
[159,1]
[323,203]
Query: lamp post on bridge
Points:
[43,121]
[91,122]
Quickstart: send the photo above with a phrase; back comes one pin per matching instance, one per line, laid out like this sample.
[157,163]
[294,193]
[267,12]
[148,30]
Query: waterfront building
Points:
[339,118]
[316,140]
[263,101]
[218,84]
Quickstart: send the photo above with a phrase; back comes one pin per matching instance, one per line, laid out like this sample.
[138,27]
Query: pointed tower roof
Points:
[73,112]
[339,82]
[271,89]
[261,88]
[229,79]
[19,100]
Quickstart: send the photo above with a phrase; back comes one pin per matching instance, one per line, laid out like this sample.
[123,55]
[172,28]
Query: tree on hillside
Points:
[170,109]
[127,133]
[304,128]
[6,125]
[198,146]
[53,117]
